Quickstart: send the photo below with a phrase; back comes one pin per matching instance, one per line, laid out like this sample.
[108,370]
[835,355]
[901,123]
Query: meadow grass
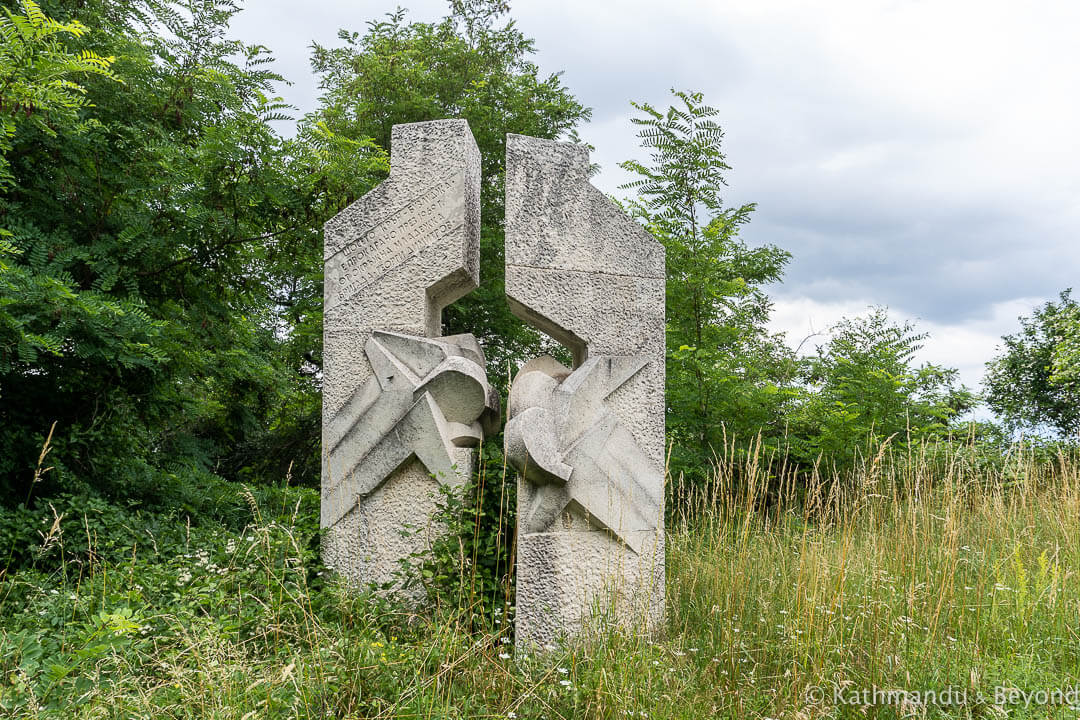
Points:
[914,573]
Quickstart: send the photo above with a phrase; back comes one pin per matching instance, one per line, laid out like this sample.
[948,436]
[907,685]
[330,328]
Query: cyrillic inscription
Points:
[394,241]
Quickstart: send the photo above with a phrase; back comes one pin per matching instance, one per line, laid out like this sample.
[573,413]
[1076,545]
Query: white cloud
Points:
[966,347]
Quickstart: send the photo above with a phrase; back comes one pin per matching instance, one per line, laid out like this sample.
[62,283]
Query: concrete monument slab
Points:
[588,442]
[400,404]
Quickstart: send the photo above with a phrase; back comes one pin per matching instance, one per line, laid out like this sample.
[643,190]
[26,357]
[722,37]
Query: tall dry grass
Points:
[926,570]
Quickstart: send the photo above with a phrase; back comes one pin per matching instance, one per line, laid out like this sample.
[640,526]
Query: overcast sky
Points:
[917,154]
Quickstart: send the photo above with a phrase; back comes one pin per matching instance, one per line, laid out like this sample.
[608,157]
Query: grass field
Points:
[916,574]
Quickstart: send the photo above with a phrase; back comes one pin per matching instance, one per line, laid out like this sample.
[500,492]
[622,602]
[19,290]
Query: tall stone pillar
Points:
[402,407]
[587,441]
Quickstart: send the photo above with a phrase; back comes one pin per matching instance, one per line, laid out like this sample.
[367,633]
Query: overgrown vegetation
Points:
[833,521]
[912,572]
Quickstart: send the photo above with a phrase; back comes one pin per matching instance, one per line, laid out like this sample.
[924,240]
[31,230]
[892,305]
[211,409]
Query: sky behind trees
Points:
[919,155]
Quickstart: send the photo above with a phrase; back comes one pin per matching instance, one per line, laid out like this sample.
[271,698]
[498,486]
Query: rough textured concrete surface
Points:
[588,442]
[400,407]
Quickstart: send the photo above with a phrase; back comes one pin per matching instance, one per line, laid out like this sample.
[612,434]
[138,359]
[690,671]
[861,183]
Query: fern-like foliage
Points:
[725,371]
[37,71]
[160,276]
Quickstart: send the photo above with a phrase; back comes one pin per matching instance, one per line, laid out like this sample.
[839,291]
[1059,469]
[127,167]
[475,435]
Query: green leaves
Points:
[35,75]
[862,389]
[1034,383]
[725,372]
[159,288]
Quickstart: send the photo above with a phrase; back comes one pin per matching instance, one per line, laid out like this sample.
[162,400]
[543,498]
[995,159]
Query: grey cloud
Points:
[885,187]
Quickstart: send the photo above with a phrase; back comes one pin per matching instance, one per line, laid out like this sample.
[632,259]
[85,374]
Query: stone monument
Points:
[402,407]
[588,442]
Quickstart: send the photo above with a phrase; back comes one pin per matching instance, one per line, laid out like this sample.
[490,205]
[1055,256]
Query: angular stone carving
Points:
[400,405]
[427,398]
[572,448]
[588,442]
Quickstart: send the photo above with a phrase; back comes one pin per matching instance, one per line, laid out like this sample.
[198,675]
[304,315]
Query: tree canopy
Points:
[163,261]
[1034,383]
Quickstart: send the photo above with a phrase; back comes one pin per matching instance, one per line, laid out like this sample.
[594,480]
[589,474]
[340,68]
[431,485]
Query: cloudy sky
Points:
[918,154]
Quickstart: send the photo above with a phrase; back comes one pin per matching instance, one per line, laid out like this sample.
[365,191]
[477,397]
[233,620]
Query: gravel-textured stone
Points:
[400,407]
[589,443]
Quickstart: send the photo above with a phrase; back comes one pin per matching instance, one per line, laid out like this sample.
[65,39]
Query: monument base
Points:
[371,545]
[571,584]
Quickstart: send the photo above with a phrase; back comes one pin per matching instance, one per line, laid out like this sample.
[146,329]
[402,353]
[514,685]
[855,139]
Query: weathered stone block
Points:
[400,406]
[588,442]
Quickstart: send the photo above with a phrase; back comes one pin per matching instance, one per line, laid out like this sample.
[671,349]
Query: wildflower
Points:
[564,683]
[511,715]
[562,671]
[504,656]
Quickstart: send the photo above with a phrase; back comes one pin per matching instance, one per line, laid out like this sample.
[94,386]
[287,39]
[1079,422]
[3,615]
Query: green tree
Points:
[468,65]
[38,88]
[1066,357]
[1034,383]
[863,388]
[727,376]
[166,262]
